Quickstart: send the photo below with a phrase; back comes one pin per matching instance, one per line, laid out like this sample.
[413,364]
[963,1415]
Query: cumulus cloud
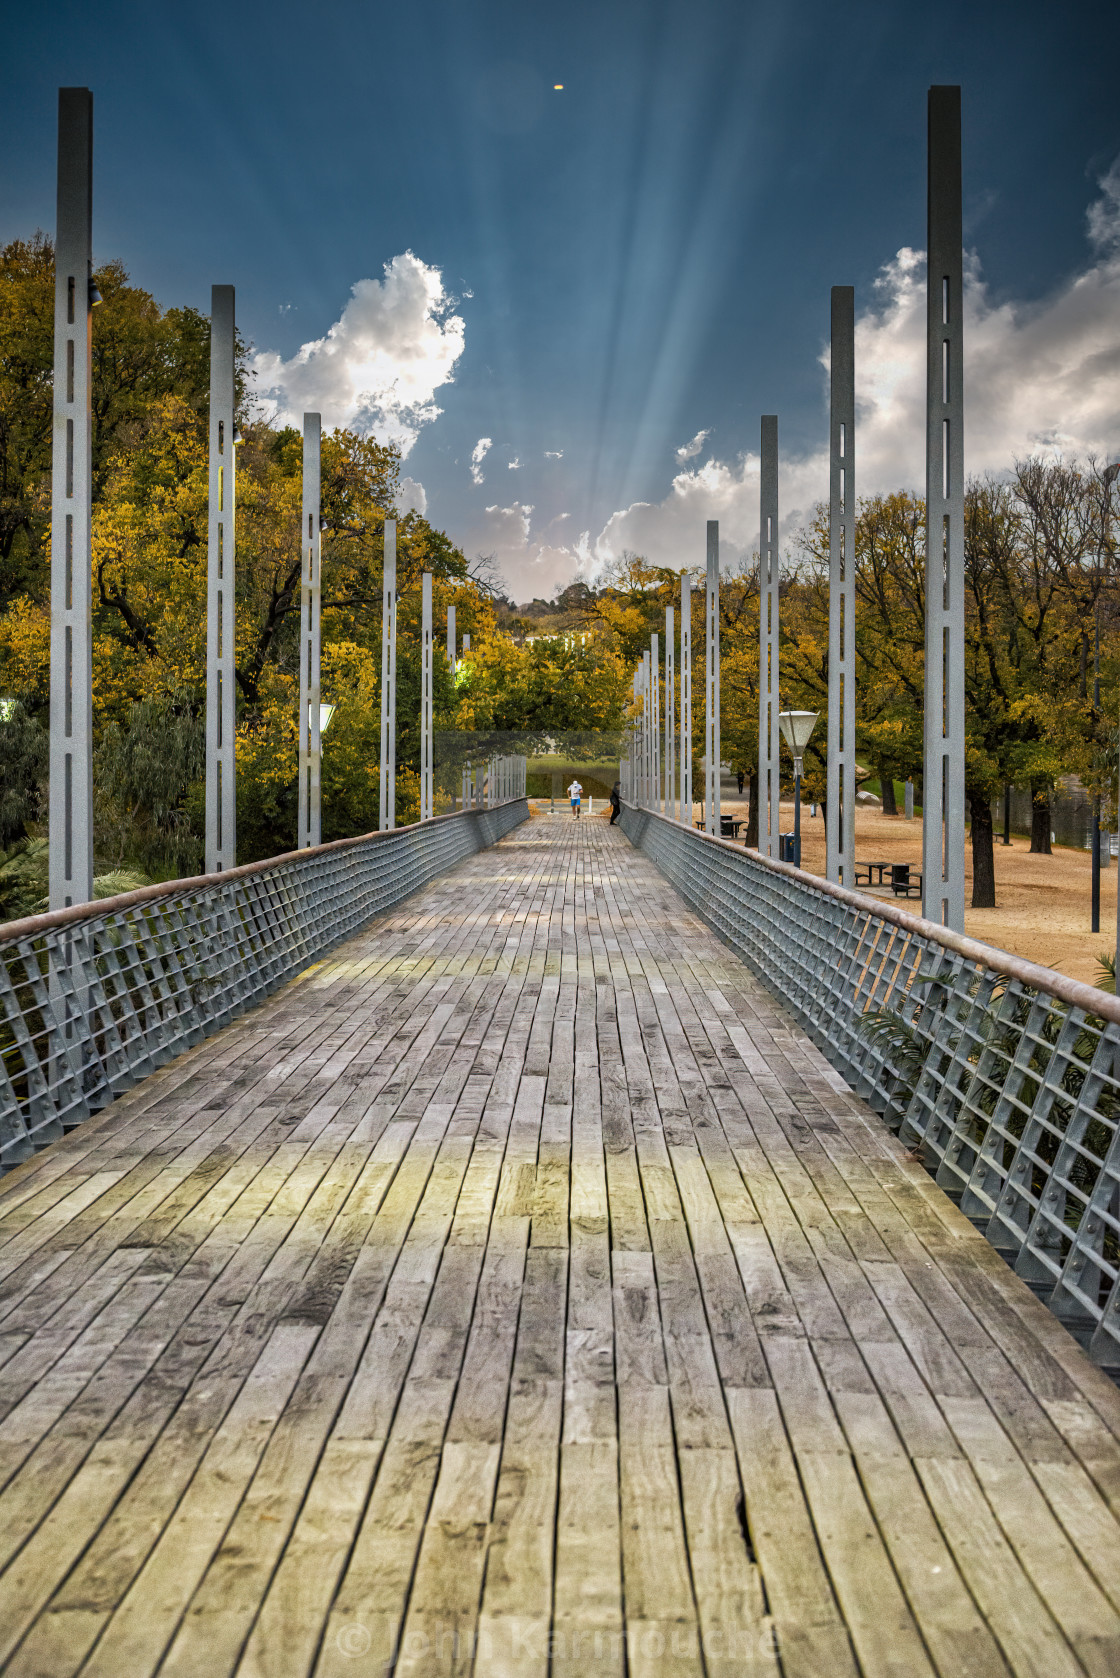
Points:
[689,451]
[378,368]
[554,454]
[412,497]
[514,464]
[1039,377]
[478,455]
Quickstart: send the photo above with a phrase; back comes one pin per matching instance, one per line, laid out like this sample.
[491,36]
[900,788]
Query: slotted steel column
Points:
[769,761]
[686,699]
[427,787]
[943,769]
[655,718]
[670,718]
[840,842]
[711,681]
[70,853]
[387,805]
[221,599]
[310,744]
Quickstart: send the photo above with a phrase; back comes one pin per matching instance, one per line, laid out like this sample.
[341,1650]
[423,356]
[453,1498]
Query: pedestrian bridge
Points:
[520,1288]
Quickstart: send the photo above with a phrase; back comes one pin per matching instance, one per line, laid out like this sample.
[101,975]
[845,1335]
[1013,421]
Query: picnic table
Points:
[728,826]
[904,881]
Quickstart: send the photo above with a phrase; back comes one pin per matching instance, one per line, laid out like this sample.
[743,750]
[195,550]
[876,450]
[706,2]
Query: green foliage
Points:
[144,774]
[24,751]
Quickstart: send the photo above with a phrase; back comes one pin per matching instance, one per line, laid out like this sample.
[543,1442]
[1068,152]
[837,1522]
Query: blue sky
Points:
[606,272]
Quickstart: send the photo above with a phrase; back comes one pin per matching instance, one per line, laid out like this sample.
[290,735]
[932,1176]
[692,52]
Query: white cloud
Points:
[1042,376]
[554,454]
[531,563]
[478,455]
[688,451]
[377,370]
[514,464]
[412,497]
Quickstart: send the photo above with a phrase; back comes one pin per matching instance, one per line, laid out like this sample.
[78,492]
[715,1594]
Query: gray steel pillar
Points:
[427,781]
[769,760]
[686,699]
[451,642]
[840,799]
[711,681]
[943,782]
[70,852]
[670,718]
[221,600]
[910,801]
[655,718]
[310,744]
[466,643]
[387,806]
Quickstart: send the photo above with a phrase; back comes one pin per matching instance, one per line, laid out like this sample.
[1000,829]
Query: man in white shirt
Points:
[575,793]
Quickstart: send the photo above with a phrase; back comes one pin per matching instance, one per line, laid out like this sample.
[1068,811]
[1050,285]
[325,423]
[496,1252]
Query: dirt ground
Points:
[1042,902]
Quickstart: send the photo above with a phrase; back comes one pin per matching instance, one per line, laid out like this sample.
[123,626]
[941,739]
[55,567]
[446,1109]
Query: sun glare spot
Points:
[557,87]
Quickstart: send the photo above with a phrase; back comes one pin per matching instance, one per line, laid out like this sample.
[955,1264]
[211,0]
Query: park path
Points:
[518,1292]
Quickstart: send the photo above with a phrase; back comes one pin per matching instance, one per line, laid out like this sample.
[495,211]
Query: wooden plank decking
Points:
[519,1292]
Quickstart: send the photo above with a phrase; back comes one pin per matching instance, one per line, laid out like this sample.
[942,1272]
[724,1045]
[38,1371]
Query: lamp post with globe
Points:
[796,727]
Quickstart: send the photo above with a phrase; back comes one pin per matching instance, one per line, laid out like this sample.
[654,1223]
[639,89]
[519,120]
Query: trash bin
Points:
[785,848]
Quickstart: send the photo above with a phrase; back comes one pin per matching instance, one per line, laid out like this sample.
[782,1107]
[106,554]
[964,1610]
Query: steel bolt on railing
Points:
[139,978]
[1004,1076]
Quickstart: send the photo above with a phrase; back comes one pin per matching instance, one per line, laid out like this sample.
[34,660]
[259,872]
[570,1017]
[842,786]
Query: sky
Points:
[567,256]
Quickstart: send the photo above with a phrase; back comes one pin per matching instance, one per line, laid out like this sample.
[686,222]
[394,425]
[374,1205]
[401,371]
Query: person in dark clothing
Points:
[616,802]
[740,783]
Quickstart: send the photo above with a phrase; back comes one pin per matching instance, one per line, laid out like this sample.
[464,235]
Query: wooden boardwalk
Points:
[518,1292]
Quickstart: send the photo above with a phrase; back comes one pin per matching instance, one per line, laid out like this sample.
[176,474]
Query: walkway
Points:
[520,1292]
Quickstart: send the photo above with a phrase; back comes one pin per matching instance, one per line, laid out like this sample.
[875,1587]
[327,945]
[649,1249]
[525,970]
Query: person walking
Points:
[575,793]
[616,802]
[740,783]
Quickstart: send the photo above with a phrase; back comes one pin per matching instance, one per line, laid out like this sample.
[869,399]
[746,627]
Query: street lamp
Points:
[796,727]
[326,712]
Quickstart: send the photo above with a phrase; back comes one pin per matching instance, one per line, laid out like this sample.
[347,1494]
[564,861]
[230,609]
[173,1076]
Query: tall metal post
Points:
[387,807]
[427,785]
[769,760]
[670,718]
[686,699]
[711,682]
[70,849]
[943,784]
[655,717]
[221,600]
[840,805]
[310,744]
[452,644]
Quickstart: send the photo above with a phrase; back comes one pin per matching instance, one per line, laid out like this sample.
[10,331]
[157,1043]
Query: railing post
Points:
[451,641]
[221,601]
[943,769]
[71,707]
[840,803]
[387,802]
[711,681]
[769,759]
[310,744]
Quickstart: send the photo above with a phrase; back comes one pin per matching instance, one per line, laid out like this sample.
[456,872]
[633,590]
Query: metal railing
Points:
[1004,1076]
[94,998]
